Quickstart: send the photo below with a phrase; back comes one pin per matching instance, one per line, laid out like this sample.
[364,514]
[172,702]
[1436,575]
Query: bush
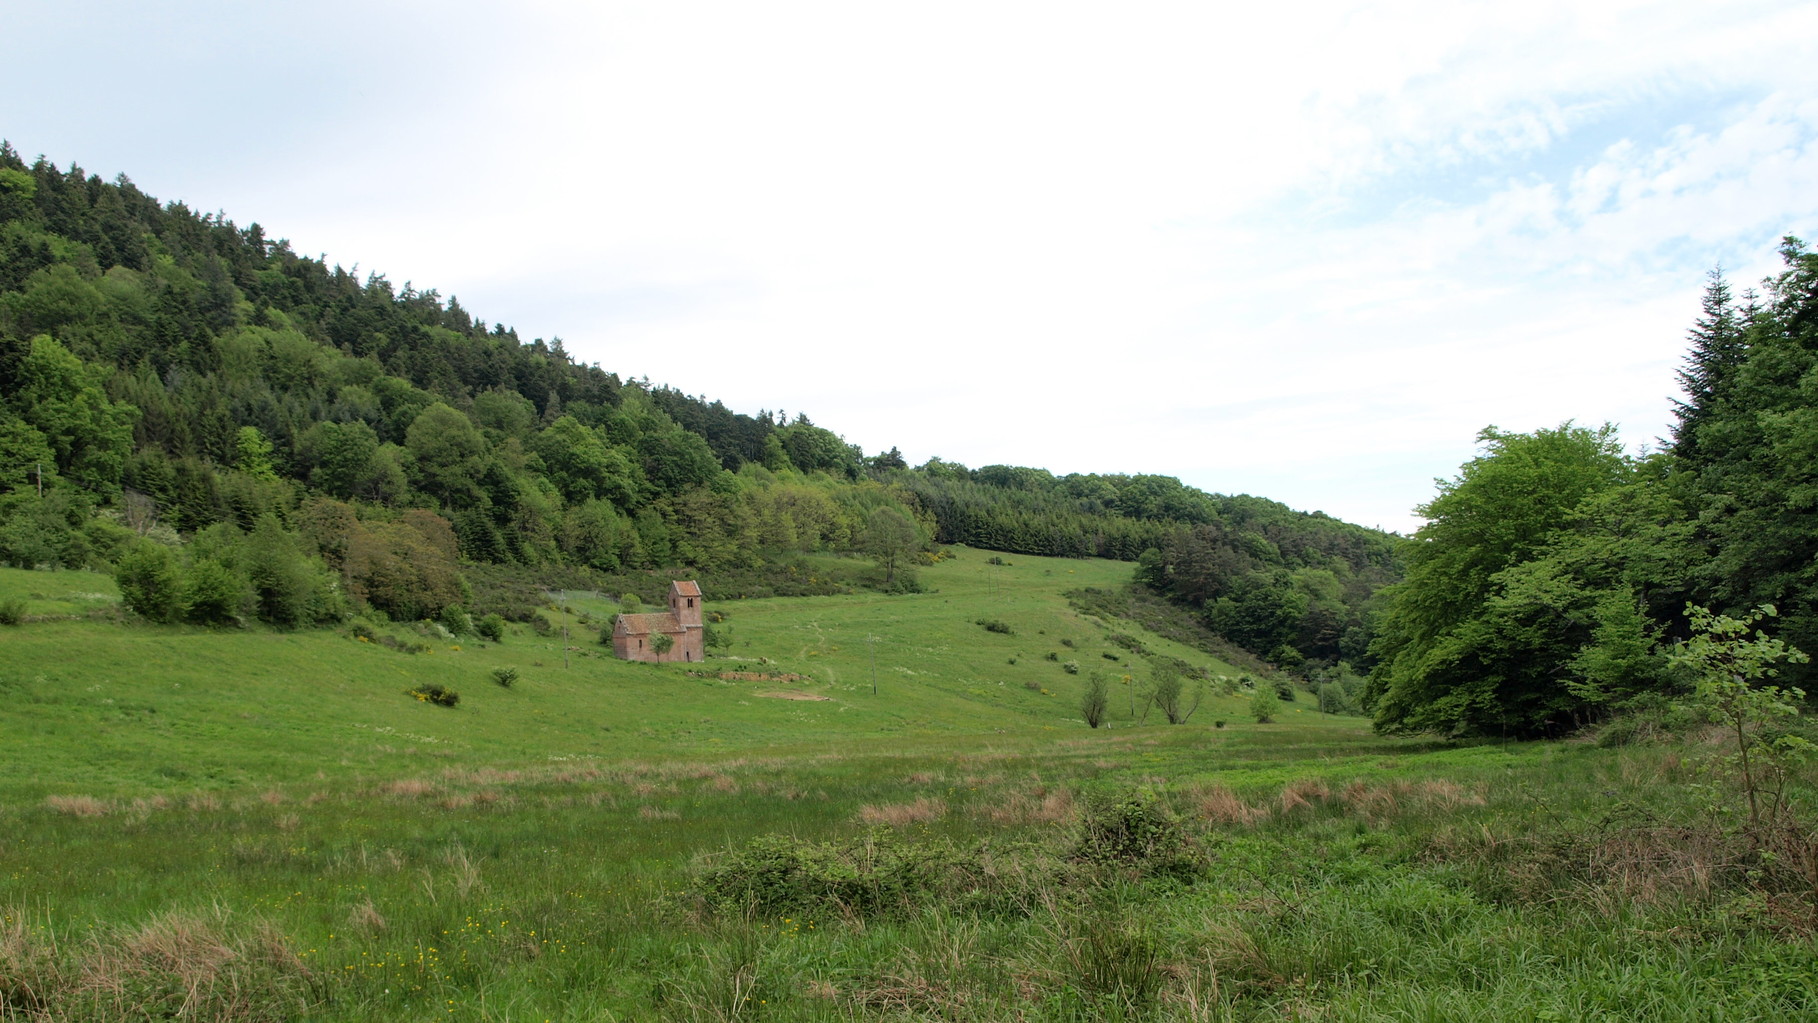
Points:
[151,582]
[1130,643]
[456,620]
[1071,667]
[435,693]
[540,624]
[12,612]
[491,627]
[505,677]
[1135,830]
[993,625]
[213,594]
[870,876]
[1262,705]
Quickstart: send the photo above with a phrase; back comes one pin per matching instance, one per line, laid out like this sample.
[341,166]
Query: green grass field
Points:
[251,825]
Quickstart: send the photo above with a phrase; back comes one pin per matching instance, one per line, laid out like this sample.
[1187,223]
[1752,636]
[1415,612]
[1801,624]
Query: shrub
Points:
[456,620]
[491,627]
[540,624]
[151,582]
[993,625]
[1262,705]
[12,612]
[1130,643]
[213,594]
[1284,690]
[505,677]
[1135,830]
[870,876]
[435,693]
[1066,642]
[1109,656]
[1071,667]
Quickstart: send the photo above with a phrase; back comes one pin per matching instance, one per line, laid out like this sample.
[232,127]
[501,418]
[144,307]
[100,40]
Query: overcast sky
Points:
[1304,251]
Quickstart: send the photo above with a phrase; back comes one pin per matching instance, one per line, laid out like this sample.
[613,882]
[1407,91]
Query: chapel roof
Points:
[639,625]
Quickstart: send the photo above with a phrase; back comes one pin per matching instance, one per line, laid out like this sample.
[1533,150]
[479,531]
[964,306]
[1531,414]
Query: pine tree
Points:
[1718,347]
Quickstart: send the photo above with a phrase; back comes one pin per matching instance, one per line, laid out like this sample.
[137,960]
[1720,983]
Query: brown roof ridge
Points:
[662,621]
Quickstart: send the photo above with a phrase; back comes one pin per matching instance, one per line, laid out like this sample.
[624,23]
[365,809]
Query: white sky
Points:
[1300,251]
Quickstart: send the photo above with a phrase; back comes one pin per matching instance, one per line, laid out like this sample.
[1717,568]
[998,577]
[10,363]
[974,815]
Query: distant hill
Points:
[198,403]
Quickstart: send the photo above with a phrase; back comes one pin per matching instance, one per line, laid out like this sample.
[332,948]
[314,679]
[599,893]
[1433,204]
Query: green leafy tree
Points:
[1169,693]
[26,458]
[1479,637]
[289,586]
[150,582]
[214,593]
[252,454]
[340,457]
[890,537]
[1263,703]
[1096,700]
[61,397]
[448,455]
[1730,668]
[581,465]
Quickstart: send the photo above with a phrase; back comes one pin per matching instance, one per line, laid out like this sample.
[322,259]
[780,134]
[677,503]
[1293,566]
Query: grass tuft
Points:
[78,806]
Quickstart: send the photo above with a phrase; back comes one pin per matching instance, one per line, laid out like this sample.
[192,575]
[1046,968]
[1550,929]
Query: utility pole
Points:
[38,467]
[873,643]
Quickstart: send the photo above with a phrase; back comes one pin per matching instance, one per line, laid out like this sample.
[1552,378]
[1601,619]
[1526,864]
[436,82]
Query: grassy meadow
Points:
[884,812]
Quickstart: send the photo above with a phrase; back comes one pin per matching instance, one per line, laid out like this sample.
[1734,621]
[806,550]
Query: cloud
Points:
[1313,250]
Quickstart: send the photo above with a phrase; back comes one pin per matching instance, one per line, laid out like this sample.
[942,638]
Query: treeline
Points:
[1292,587]
[1554,574]
[177,391]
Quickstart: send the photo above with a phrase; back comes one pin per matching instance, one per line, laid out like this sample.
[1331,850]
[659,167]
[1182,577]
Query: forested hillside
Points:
[1552,581]
[238,431]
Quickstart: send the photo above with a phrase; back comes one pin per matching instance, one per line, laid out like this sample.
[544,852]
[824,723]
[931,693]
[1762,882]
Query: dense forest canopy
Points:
[238,430]
[1555,572]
